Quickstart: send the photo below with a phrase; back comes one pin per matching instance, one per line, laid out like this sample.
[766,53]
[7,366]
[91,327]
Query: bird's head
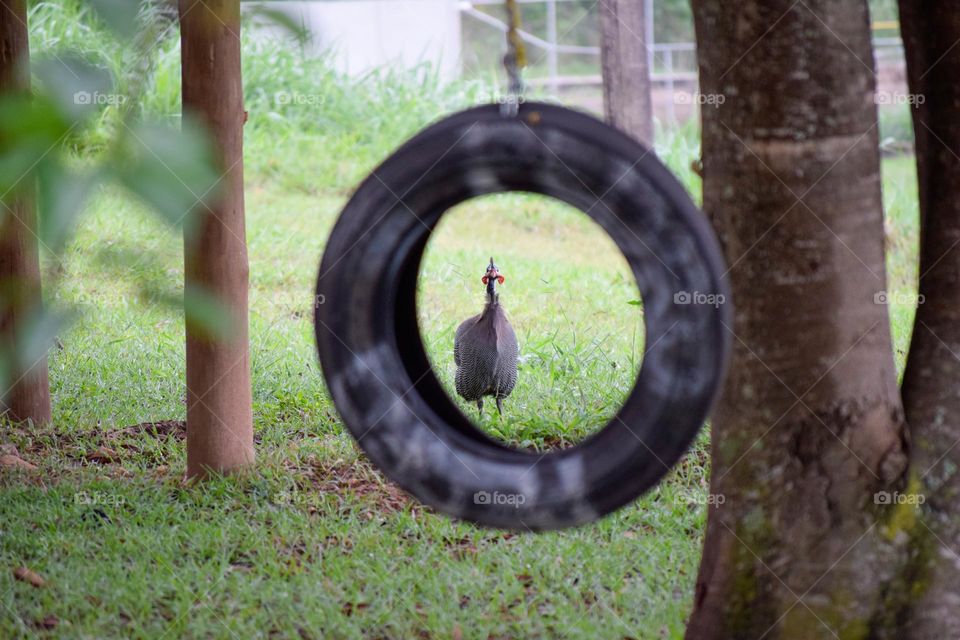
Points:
[492,278]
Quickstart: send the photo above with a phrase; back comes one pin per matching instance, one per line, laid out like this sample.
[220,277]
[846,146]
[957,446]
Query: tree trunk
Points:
[26,396]
[626,73]
[931,384]
[219,414]
[810,424]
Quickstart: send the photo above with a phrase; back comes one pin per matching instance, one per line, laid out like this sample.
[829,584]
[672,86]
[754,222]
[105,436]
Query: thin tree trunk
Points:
[626,73]
[931,384]
[26,396]
[219,414]
[810,425]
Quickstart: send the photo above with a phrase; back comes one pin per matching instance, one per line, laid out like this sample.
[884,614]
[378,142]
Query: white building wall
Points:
[365,34]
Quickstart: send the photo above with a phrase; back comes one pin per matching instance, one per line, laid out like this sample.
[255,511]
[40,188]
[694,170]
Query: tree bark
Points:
[810,424]
[26,396]
[626,73]
[219,413]
[931,384]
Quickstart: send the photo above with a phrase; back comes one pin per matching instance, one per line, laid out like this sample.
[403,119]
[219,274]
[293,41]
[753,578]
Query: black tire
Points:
[378,372]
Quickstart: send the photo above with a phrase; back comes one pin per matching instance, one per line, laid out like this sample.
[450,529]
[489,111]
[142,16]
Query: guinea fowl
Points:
[485,349]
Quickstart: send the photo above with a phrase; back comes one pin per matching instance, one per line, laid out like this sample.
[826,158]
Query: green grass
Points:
[313,542]
[295,549]
[903,243]
[568,294]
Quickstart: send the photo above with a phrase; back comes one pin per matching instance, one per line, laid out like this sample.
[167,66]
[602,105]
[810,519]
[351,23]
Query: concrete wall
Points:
[365,34]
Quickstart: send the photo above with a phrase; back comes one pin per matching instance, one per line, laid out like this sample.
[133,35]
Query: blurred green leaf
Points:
[206,315]
[15,165]
[40,331]
[262,16]
[29,132]
[29,118]
[119,15]
[635,302]
[117,257]
[75,86]
[62,195]
[170,170]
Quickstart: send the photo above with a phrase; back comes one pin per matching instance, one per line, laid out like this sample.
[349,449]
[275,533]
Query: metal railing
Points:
[664,70]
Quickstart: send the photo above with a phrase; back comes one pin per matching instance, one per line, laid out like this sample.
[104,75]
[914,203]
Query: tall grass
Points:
[289,96]
[299,106]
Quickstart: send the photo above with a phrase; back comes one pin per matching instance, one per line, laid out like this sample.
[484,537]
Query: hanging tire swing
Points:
[377,369]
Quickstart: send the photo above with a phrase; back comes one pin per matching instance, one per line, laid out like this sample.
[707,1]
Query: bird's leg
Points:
[480,405]
[500,406]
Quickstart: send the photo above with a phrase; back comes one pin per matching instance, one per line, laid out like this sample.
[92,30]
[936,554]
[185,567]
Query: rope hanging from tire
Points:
[376,367]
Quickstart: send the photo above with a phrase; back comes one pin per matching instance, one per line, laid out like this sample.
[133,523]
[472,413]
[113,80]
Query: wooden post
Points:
[219,413]
[626,69]
[26,396]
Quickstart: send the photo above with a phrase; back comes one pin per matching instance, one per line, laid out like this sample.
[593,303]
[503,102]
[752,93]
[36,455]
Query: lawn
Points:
[314,542]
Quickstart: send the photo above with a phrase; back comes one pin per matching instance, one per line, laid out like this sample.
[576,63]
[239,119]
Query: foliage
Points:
[169,168]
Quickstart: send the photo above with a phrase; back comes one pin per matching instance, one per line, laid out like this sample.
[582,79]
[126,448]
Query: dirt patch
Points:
[39,443]
[362,480]
[552,443]
[176,429]
[317,481]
